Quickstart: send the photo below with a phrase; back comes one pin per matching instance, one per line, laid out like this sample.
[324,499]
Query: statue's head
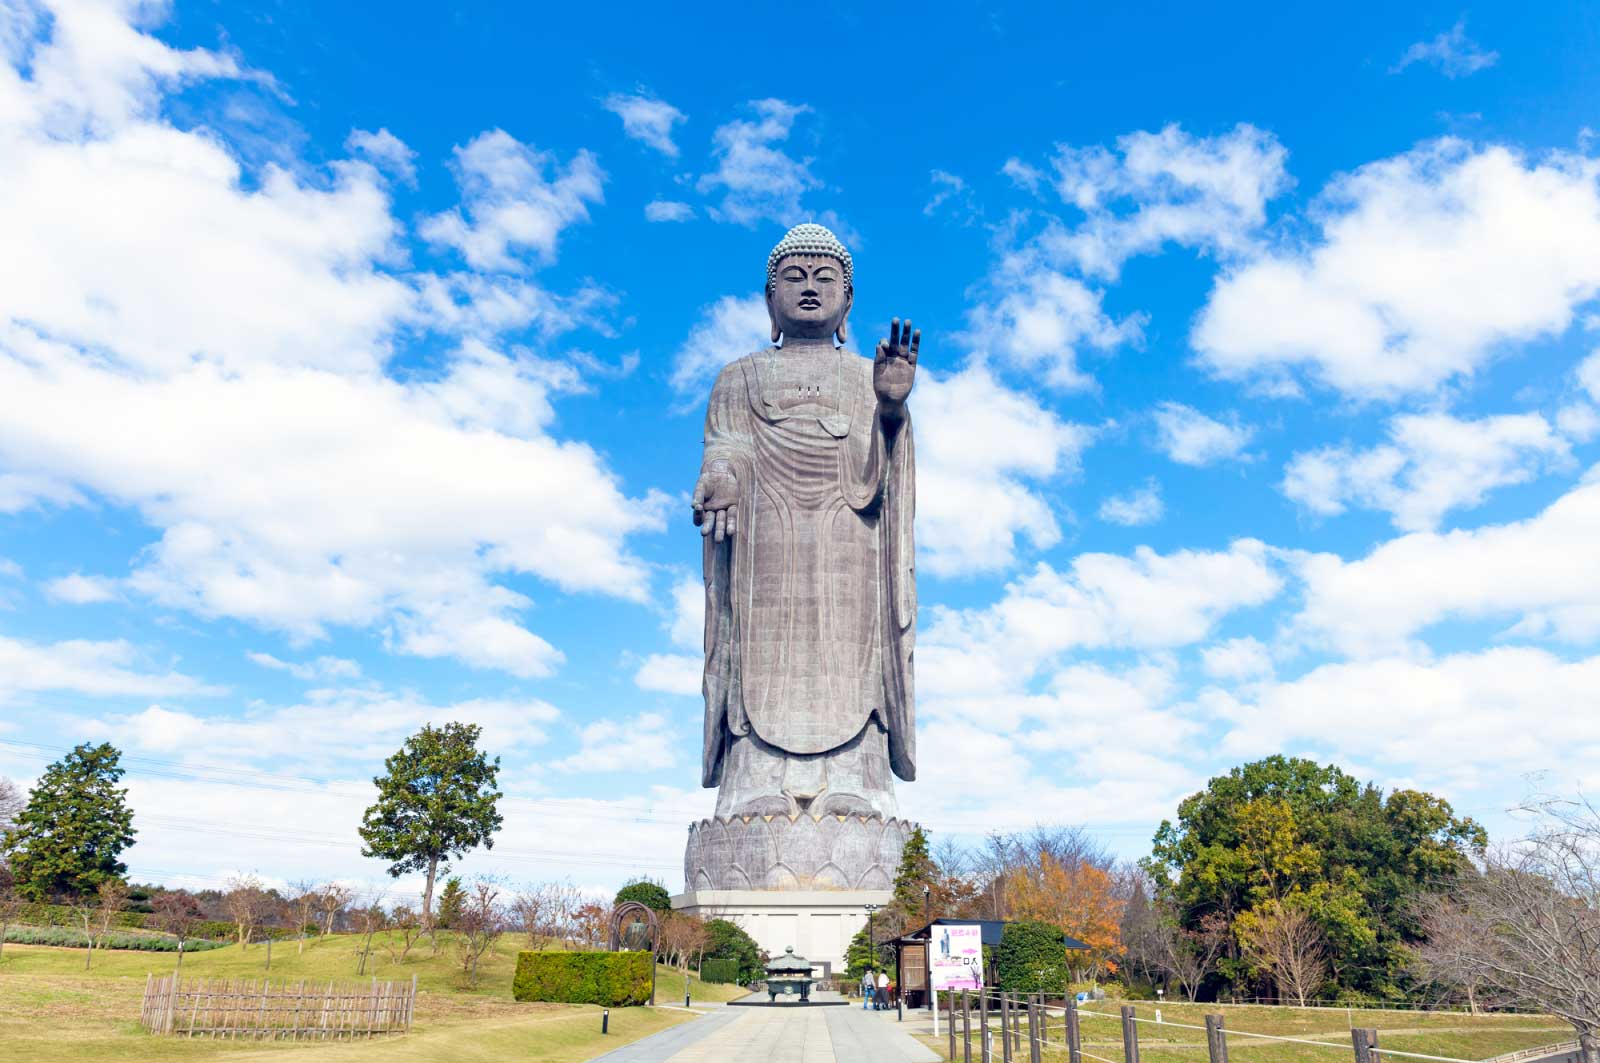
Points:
[809,289]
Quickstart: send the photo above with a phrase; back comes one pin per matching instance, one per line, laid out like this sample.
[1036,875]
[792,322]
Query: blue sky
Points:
[351,368]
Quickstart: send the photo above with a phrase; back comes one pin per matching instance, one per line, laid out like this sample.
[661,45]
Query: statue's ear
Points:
[843,331]
[777,333]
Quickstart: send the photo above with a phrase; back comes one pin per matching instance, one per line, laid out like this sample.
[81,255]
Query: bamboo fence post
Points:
[1073,1034]
[195,1014]
[1033,1032]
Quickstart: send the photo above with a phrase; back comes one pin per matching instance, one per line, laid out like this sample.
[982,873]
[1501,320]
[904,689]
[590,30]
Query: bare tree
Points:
[11,905]
[543,911]
[483,920]
[1286,943]
[401,933]
[370,918]
[332,900]
[85,906]
[113,896]
[12,802]
[303,902]
[1536,909]
[246,904]
[176,913]
[1449,955]
[591,926]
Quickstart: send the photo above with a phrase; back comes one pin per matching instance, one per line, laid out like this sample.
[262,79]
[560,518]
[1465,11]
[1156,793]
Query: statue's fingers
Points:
[706,522]
[733,519]
[916,341]
[905,337]
[894,332]
[699,516]
[882,353]
[722,524]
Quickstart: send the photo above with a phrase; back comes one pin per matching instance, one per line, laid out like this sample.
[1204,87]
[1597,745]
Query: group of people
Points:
[877,991]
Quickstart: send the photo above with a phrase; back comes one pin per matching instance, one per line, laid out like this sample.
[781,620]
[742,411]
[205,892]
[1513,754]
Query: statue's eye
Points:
[824,278]
[794,273]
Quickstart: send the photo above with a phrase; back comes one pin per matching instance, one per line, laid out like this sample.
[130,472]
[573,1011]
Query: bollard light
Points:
[605,1020]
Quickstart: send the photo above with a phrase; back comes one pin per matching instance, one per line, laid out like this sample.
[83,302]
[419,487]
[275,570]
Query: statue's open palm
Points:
[716,501]
[894,367]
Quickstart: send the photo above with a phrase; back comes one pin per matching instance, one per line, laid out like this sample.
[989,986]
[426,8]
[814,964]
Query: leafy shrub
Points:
[1031,958]
[719,970]
[651,894]
[61,915]
[69,938]
[610,979]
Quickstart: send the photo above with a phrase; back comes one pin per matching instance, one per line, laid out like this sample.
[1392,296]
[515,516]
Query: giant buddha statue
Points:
[805,499]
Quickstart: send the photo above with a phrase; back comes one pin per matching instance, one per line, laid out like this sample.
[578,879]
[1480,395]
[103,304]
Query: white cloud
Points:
[81,666]
[1588,375]
[1453,53]
[1041,319]
[688,616]
[385,151]
[1241,658]
[642,743]
[1189,437]
[945,187]
[1023,175]
[670,673]
[1167,187]
[1105,601]
[757,180]
[1541,574]
[371,725]
[509,204]
[1138,507]
[667,210]
[980,449]
[142,298]
[1466,719]
[726,330]
[78,589]
[647,120]
[322,668]
[1433,463]
[1426,264]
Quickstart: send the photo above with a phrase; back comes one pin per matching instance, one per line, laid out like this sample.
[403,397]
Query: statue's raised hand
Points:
[894,367]
[716,500]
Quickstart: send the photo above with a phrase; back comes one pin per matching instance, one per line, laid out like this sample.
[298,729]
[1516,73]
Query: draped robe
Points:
[811,604]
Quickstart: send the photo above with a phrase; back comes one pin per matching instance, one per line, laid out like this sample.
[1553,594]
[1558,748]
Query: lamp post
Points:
[927,953]
[872,949]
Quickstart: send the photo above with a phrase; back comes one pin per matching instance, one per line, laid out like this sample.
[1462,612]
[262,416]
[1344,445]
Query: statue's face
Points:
[809,299]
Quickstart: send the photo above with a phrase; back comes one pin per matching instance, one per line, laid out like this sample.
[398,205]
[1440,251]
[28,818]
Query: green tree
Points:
[452,902]
[1283,831]
[917,872]
[860,956]
[67,838]
[647,892]
[728,941]
[1031,958]
[436,802]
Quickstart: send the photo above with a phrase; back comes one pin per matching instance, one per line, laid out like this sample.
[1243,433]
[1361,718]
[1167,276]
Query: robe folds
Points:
[811,604]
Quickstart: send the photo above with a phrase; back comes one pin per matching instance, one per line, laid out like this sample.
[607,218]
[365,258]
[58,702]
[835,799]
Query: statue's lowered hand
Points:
[894,367]
[716,500]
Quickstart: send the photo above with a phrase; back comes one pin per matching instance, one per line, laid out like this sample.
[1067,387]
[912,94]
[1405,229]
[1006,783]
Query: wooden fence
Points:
[305,1011]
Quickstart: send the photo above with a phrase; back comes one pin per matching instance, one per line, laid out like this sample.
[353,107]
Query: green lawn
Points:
[51,1009]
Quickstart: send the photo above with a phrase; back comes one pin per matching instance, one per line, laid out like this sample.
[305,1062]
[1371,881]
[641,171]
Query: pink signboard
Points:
[956,957]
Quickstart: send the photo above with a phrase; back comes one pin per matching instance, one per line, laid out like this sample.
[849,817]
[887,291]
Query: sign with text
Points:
[956,957]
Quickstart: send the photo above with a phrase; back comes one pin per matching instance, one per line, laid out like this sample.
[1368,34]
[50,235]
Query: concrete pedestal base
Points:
[817,924]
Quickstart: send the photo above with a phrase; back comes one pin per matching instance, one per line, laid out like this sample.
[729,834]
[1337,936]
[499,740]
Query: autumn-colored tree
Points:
[1079,898]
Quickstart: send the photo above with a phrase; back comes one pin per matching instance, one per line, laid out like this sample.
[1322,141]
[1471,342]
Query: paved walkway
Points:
[779,1035]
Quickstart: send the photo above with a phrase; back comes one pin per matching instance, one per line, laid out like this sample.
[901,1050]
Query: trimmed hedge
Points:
[610,979]
[60,915]
[722,971]
[67,938]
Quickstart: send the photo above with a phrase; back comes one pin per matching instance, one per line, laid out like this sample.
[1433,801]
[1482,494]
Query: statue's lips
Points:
[810,304]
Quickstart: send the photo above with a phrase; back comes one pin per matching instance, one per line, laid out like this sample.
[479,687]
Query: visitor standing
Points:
[868,985]
[883,990]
